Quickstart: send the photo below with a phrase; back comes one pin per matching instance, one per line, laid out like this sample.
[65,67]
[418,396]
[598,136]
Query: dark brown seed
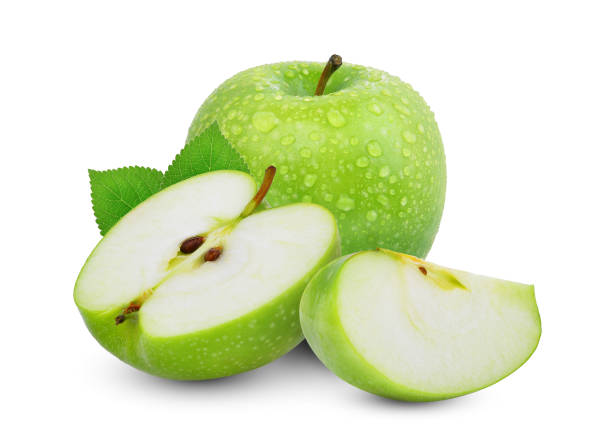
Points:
[213,254]
[191,244]
[423,270]
[120,319]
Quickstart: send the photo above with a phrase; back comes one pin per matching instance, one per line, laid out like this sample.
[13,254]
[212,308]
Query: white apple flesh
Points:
[196,319]
[407,329]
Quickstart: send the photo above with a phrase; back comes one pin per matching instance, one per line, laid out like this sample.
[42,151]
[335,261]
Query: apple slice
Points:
[191,285]
[407,329]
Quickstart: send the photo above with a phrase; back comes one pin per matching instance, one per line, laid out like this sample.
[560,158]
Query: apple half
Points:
[195,284]
[403,328]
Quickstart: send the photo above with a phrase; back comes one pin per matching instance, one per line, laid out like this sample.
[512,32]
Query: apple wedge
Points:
[194,283]
[407,329]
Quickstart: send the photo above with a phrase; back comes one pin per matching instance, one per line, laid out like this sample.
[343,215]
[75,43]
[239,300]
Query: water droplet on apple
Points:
[287,140]
[236,129]
[327,196]
[314,136]
[382,199]
[345,203]
[289,74]
[309,180]
[306,153]
[421,128]
[335,118]
[375,108]
[264,121]
[404,201]
[374,148]
[374,76]
[407,170]
[354,141]
[409,136]
[406,152]
[393,179]
[258,97]
[401,109]
[371,215]
[384,171]
[362,162]
[283,169]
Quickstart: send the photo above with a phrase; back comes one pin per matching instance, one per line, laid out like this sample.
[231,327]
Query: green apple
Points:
[368,149]
[190,285]
[407,329]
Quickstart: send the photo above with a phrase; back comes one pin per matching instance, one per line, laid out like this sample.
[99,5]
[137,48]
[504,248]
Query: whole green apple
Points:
[368,149]
[194,283]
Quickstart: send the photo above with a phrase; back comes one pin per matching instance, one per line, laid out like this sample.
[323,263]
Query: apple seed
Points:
[191,244]
[213,254]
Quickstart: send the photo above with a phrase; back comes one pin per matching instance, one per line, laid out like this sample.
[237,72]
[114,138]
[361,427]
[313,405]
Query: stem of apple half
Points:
[261,193]
[333,64]
[203,248]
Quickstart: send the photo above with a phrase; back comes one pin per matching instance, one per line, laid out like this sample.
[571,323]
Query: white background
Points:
[523,97]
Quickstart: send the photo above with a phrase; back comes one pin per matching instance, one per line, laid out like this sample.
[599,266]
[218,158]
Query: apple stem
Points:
[333,64]
[261,193]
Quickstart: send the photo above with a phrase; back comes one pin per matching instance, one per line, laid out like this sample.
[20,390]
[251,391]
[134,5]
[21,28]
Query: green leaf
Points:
[208,151]
[116,192]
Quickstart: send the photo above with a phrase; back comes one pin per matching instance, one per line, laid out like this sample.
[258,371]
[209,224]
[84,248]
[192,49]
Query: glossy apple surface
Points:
[369,149]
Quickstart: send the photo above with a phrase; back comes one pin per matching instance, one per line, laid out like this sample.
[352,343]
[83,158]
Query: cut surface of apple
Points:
[184,316]
[407,329]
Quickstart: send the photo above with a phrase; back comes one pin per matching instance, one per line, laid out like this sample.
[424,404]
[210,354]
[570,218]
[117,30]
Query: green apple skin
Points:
[369,149]
[267,333]
[322,327]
